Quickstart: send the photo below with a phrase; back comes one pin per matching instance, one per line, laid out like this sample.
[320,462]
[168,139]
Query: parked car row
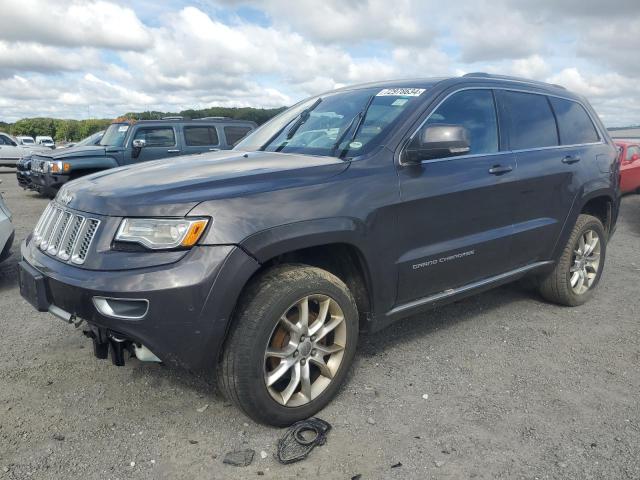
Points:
[126,143]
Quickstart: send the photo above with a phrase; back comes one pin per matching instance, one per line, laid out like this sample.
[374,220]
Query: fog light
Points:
[122,308]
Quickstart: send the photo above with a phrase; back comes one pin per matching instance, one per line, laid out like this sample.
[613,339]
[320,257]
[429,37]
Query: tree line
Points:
[73,130]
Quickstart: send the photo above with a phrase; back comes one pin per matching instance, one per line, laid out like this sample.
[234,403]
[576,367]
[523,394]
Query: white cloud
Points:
[348,21]
[71,23]
[107,57]
[36,57]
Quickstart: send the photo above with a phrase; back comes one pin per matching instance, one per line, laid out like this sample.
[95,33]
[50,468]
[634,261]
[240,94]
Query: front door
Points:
[160,142]
[456,213]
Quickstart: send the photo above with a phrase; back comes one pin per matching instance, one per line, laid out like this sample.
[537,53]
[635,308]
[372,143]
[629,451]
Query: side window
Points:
[530,121]
[573,122]
[200,136]
[475,110]
[235,134]
[4,140]
[156,136]
[631,151]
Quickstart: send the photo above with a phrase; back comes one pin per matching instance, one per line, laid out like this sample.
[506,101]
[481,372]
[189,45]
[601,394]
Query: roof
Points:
[428,83]
[197,120]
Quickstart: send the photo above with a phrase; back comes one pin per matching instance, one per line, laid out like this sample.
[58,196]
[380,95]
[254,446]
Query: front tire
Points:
[577,273]
[291,345]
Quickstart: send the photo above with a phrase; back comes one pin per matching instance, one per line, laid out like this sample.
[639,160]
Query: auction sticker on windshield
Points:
[400,92]
[123,128]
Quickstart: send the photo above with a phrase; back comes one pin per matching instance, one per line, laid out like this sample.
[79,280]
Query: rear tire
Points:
[577,273]
[278,368]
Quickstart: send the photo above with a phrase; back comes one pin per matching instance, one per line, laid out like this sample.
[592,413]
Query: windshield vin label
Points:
[400,92]
[436,261]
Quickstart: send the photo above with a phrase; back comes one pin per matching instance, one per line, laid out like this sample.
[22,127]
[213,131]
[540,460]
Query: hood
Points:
[172,187]
[70,153]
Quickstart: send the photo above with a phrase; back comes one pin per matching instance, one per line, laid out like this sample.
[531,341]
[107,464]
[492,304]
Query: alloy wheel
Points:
[305,350]
[586,262]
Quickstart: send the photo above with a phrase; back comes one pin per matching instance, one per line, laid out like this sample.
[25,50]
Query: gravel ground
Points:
[501,385]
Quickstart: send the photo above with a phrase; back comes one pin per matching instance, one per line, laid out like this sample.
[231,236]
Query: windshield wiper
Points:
[295,123]
[359,118]
[302,118]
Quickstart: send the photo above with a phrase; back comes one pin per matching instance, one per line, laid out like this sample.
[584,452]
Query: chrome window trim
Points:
[502,152]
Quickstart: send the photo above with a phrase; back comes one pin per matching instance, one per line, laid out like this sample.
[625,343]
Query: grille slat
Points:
[64,234]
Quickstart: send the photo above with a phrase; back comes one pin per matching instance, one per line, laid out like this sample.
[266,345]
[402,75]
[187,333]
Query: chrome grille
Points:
[64,234]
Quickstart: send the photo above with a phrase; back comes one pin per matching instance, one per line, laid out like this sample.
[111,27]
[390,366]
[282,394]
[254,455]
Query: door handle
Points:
[500,169]
[214,149]
[571,159]
[173,151]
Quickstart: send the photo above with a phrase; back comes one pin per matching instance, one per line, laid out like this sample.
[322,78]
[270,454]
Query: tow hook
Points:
[118,346]
[105,342]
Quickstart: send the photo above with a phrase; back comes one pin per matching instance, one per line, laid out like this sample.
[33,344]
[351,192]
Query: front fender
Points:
[270,243]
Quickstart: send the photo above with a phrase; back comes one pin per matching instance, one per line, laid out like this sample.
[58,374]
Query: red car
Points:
[630,165]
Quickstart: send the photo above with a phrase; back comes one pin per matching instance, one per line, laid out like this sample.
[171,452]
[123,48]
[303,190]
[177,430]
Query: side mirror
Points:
[438,141]
[138,144]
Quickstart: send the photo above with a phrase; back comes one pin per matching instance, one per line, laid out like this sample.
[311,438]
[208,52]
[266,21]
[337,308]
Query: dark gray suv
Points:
[126,143]
[348,211]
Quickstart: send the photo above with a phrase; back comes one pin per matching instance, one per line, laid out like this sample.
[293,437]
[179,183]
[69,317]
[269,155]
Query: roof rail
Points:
[510,78]
[477,74]
[214,118]
[173,117]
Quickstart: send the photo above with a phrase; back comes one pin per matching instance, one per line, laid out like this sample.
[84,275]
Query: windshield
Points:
[114,135]
[27,140]
[338,124]
[90,140]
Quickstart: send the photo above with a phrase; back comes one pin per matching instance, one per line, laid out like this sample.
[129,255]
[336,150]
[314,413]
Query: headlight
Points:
[59,167]
[161,233]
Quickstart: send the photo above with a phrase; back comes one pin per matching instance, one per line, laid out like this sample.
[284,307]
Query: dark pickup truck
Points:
[127,143]
[348,211]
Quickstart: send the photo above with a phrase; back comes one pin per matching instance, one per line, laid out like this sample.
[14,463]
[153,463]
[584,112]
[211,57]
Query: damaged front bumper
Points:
[176,313]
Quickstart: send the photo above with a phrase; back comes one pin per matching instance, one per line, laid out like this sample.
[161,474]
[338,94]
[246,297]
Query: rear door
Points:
[200,138]
[454,220]
[630,169]
[549,155]
[161,142]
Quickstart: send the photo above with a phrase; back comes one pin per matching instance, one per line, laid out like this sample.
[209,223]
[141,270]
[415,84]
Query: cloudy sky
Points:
[80,59]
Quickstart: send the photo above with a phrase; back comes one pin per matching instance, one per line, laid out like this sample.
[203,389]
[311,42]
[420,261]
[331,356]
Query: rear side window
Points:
[573,122]
[235,134]
[530,121]
[199,136]
[475,110]
[156,136]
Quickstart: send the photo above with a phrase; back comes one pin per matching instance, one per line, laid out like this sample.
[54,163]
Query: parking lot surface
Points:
[501,385]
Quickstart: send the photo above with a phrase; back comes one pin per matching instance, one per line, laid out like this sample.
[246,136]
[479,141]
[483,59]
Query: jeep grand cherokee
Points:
[346,212]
